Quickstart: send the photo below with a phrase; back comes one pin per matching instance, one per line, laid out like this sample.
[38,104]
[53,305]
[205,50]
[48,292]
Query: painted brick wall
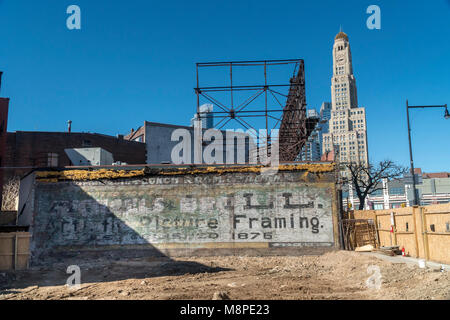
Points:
[184,212]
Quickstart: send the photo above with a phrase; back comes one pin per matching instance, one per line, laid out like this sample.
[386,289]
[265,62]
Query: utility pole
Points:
[446,116]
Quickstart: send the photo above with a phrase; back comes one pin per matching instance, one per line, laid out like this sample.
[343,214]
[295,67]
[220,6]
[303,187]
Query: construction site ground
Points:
[333,275]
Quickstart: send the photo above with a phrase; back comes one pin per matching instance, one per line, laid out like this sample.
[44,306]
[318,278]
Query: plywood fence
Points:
[424,231]
[14,250]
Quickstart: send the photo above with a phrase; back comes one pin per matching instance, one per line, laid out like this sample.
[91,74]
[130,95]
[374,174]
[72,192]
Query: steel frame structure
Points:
[294,127]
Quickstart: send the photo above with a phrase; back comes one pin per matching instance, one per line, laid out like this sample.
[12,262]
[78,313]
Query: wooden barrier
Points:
[358,233]
[14,250]
[424,231]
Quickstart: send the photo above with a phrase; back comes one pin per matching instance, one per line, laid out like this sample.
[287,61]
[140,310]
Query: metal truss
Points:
[283,111]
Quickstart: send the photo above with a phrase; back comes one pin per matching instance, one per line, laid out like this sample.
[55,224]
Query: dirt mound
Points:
[334,275]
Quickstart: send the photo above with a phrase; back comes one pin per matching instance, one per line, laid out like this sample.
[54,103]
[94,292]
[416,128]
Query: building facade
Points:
[312,151]
[26,151]
[206,116]
[160,146]
[323,125]
[4,104]
[4,108]
[347,129]
[432,188]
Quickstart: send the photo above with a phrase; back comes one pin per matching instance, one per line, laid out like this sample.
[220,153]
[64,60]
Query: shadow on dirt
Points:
[103,270]
[106,240]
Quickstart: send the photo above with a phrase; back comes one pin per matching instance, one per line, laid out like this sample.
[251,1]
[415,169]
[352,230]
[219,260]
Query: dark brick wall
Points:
[31,149]
[4,103]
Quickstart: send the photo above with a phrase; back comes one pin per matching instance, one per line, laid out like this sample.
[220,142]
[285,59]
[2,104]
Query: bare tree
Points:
[10,194]
[368,179]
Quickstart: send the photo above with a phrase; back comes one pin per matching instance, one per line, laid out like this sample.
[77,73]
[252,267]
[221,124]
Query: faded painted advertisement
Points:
[207,210]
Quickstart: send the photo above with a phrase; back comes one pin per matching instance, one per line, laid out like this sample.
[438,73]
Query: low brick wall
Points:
[182,211]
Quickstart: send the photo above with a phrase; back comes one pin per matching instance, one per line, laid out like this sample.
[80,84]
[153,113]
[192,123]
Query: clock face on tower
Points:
[340,58]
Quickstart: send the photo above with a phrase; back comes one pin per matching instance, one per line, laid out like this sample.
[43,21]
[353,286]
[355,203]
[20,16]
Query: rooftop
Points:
[341,35]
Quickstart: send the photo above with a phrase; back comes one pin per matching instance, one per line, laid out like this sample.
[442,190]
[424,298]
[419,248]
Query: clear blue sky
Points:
[135,60]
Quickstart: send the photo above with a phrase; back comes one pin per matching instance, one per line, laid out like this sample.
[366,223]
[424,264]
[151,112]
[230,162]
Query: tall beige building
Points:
[347,126]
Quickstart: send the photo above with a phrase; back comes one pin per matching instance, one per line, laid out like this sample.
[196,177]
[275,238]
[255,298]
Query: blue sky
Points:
[135,60]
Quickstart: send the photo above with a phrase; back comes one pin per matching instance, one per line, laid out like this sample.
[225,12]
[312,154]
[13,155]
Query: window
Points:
[378,192]
[396,191]
[87,143]
[52,160]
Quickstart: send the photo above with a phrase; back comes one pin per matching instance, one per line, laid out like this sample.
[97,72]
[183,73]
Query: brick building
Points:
[432,188]
[4,103]
[28,150]
[46,149]
[21,152]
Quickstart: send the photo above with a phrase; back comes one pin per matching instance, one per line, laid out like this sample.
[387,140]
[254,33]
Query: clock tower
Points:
[343,83]
[347,125]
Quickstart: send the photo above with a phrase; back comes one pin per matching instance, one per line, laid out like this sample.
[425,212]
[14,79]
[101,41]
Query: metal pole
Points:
[265,93]
[198,94]
[411,156]
[231,81]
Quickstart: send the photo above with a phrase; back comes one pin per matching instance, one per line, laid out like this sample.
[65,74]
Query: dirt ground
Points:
[334,275]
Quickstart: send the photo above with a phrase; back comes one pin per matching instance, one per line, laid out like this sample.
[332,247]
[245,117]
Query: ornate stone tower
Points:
[347,125]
